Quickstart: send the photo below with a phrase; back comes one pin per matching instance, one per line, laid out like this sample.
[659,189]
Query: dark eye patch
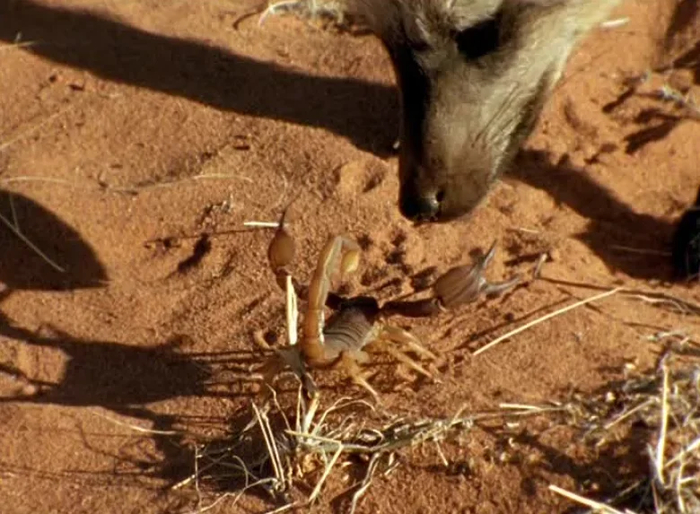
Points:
[481,39]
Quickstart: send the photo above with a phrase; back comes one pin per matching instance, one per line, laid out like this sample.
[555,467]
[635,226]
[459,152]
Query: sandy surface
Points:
[131,128]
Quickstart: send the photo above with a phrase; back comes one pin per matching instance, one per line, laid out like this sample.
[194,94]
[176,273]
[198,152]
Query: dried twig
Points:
[598,507]
[544,318]
[16,231]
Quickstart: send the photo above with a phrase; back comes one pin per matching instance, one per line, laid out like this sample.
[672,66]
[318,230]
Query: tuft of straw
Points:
[666,401]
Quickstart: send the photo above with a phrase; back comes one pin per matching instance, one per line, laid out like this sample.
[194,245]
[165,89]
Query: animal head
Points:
[473,77]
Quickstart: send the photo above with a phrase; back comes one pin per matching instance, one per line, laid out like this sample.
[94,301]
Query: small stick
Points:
[613,24]
[687,450]
[371,467]
[284,508]
[551,315]
[38,178]
[134,427]
[272,8]
[640,251]
[585,501]
[636,293]
[23,44]
[15,230]
[661,445]
[326,472]
[537,271]
[15,221]
[263,224]
[174,182]
[34,128]
[627,414]
[292,313]
[521,407]
[269,438]
[196,481]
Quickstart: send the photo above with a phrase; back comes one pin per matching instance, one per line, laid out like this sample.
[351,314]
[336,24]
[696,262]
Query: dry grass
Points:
[330,14]
[664,404]
[290,449]
[288,454]
[296,451]
[13,226]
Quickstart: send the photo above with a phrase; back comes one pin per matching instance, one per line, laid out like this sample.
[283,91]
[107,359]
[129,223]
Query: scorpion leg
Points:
[400,335]
[349,362]
[282,359]
[405,359]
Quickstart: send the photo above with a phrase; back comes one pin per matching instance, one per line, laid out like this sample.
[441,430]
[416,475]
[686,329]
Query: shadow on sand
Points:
[365,113]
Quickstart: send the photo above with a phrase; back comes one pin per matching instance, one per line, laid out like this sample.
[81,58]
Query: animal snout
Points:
[421,205]
[433,198]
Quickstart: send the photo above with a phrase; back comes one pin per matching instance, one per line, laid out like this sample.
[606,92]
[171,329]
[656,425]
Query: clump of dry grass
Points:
[286,455]
[664,405]
[330,14]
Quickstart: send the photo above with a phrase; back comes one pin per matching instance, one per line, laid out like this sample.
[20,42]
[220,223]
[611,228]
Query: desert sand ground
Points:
[138,136]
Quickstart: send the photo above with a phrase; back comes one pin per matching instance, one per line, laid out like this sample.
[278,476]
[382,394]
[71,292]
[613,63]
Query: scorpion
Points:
[360,321]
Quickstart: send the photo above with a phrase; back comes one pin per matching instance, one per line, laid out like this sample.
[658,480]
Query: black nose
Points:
[420,206]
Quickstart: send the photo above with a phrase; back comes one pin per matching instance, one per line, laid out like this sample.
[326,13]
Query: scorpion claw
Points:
[498,288]
[464,284]
[485,260]
[459,285]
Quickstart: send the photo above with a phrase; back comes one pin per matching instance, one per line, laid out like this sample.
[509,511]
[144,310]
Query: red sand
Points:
[132,127]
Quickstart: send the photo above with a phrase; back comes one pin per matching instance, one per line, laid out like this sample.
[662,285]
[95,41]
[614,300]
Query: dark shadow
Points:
[690,60]
[609,469]
[684,15]
[470,343]
[609,463]
[365,113]
[125,380]
[111,375]
[21,267]
[686,243]
[612,225]
[614,467]
[638,140]
[120,377]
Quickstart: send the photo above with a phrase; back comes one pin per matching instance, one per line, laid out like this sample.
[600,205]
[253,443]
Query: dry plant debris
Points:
[290,451]
[277,452]
[665,404]
[285,455]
